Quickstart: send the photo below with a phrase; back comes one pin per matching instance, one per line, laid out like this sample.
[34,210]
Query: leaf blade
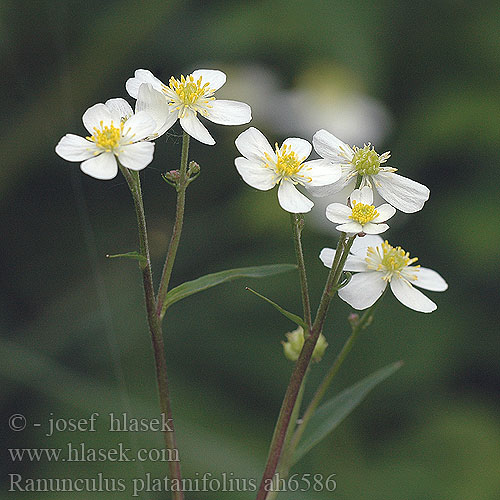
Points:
[293,317]
[329,415]
[210,280]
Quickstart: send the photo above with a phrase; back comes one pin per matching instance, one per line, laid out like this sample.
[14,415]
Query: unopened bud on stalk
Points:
[172,177]
[194,169]
[295,341]
[353,319]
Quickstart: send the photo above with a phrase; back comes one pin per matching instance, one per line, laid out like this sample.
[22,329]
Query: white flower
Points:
[183,99]
[402,193]
[116,135]
[377,263]
[263,168]
[361,216]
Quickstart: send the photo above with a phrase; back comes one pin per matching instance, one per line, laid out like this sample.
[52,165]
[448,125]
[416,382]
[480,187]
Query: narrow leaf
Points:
[129,255]
[208,281]
[330,414]
[296,319]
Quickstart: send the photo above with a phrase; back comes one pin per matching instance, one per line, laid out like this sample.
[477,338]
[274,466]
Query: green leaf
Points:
[208,281]
[129,255]
[330,414]
[296,319]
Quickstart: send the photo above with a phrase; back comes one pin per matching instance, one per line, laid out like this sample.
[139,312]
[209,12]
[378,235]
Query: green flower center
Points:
[366,161]
[107,137]
[363,213]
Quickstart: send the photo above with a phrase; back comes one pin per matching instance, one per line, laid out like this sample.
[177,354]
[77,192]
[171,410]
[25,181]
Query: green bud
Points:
[320,348]
[194,169]
[353,319]
[295,341]
[172,177]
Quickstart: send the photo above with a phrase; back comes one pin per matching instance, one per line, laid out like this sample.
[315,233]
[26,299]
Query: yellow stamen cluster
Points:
[392,260]
[363,213]
[107,137]
[367,161]
[190,92]
[288,164]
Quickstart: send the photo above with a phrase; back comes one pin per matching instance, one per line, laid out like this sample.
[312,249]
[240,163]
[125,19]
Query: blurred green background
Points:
[418,78]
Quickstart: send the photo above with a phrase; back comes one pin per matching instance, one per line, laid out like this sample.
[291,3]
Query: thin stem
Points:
[134,184]
[343,247]
[302,365]
[293,424]
[360,325]
[177,230]
[297,226]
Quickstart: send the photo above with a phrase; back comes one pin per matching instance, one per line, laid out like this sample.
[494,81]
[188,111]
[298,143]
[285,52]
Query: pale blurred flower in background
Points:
[323,96]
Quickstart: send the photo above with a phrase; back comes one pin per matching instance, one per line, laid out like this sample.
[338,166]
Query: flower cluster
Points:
[365,171]
[121,137]
[118,136]
[376,262]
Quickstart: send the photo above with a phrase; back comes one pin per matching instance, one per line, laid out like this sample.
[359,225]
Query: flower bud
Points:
[172,177]
[295,341]
[194,169]
[353,319]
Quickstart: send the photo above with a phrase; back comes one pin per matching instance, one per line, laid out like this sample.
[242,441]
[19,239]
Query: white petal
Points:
[331,148]
[229,112]
[301,147]
[355,196]
[371,228]
[430,280]
[361,244]
[102,167]
[138,127]
[193,126]
[350,227]
[327,255]
[255,174]
[411,297]
[137,156]
[120,106]
[142,76]
[385,212]
[253,145]
[363,290]
[330,189]
[365,195]
[404,194]
[75,148]
[321,172]
[355,263]
[292,200]
[95,115]
[215,77]
[156,105]
[338,213]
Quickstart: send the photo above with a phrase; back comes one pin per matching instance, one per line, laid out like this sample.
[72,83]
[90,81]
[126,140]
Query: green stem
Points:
[177,230]
[297,225]
[134,184]
[360,325]
[302,365]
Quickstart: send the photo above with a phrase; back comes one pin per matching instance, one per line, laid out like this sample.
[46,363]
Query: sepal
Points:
[129,255]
